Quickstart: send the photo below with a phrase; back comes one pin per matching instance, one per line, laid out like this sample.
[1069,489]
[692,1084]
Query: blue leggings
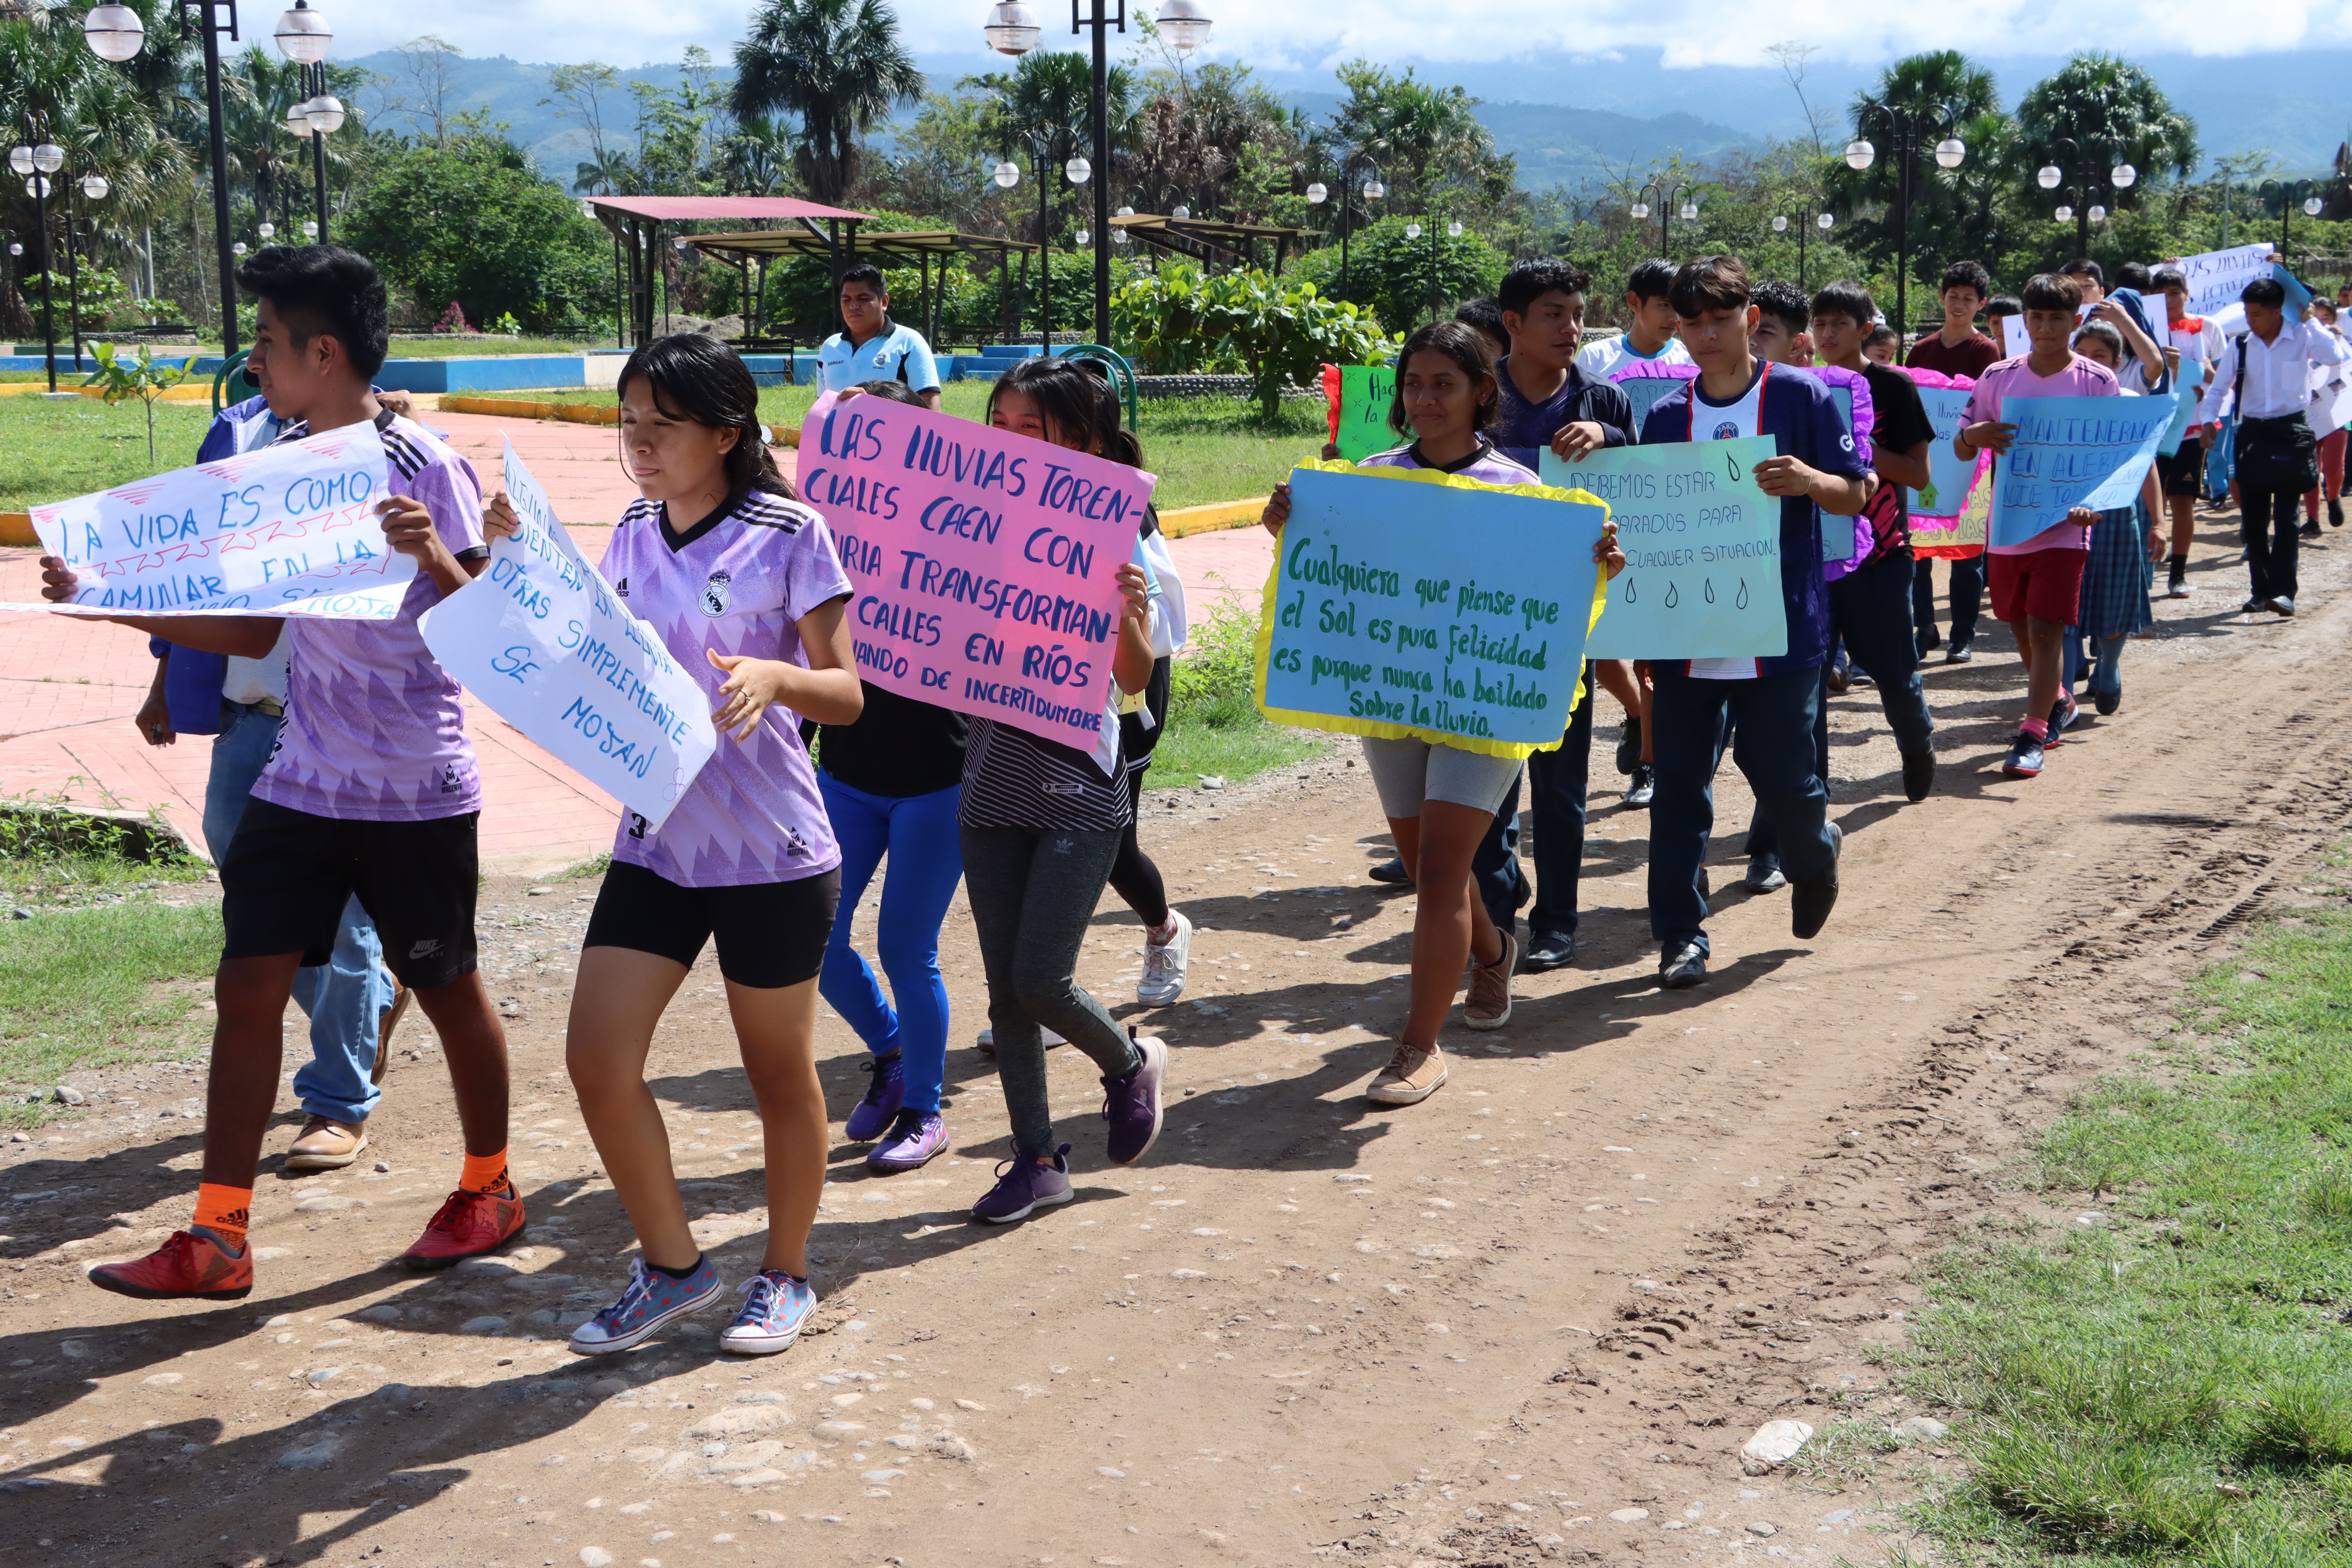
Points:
[926,849]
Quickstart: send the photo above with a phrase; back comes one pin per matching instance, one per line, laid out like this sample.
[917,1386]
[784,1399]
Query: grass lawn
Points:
[1214,729]
[2171,1382]
[52,450]
[492,348]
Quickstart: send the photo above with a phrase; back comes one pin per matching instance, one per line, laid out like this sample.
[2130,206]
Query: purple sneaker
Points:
[915,1139]
[1025,1186]
[883,1096]
[1132,1104]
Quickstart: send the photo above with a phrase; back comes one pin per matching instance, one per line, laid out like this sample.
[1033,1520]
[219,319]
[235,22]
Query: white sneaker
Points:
[1164,965]
[988,1039]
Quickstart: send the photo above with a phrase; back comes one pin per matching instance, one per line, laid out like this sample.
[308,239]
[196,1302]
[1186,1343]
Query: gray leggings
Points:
[1033,892]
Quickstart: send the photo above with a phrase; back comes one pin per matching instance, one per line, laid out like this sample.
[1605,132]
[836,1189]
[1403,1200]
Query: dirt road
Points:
[1531,1319]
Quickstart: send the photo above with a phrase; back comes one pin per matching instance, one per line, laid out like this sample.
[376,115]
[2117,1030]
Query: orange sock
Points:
[485,1173]
[224,1211]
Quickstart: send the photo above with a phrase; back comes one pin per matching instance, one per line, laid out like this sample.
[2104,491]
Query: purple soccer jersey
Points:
[733,584]
[375,729]
[1488,466]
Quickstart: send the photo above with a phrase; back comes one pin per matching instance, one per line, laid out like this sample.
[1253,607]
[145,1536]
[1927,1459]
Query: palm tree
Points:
[604,173]
[757,160]
[2102,101]
[1924,86]
[839,65]
[1048,99]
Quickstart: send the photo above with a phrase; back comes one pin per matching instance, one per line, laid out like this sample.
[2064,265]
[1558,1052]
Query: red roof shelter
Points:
[636,224]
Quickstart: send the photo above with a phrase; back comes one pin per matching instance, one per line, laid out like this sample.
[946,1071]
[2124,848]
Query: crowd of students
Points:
[347,842]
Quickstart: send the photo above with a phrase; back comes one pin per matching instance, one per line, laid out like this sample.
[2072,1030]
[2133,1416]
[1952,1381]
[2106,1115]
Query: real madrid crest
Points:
[718,594]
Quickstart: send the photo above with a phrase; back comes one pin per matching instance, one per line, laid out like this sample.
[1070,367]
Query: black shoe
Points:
[1524,897]
[1919,774]
[1810,903]
[1840,677]
[1548,949]
[2334,512]
[1682,970]
[1764,875]
[2108,701]
[2251,606]
[1643,789]
[2311,528]
[1628,743]
[1391,871]
[1931,640]
[1962,651]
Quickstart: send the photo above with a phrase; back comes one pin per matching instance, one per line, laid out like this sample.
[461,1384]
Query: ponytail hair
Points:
[694,376]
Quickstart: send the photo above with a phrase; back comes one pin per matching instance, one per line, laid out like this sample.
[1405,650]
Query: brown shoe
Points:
[400,997]
[1489,1003]
[326,1144]
[1412,1075]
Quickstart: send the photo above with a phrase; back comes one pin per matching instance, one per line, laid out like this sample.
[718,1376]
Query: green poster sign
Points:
[1366,391]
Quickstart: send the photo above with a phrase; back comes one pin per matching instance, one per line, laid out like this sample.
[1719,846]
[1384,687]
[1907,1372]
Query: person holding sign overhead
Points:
[871,346]
[2266,376]
[370,791]
[1771,699]
[2037,582]
[1439,799]
[742,583]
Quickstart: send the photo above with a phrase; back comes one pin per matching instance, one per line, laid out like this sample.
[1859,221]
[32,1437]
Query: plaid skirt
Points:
[2117,575]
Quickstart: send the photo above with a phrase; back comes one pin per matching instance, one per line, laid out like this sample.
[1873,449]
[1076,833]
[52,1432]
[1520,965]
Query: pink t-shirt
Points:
[375,729]
[734,584]
[2014,379]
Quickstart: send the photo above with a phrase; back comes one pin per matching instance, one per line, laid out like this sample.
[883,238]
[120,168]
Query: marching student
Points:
[370,791]
[1959,349]
[2198,339]
[891,780]
[1042,826]
[1440,799]
[1651,336]
[2265,377]
[2328,382]
[2037,584]
[2117,573]
[742,584]
[1881,345]
[1545,399]
[1770,702]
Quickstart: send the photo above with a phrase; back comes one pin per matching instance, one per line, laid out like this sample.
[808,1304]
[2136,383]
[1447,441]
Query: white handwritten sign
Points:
[2217,277]
[541,638]
[287,530]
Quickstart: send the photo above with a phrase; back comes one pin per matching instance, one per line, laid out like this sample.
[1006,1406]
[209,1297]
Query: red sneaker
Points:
[187,1266]
[468,1224]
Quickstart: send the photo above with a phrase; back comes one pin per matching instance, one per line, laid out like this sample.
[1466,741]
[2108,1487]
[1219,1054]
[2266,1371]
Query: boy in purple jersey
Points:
[370,791]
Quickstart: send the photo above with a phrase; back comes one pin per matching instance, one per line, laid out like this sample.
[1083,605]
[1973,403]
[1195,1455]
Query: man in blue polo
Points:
[872,347]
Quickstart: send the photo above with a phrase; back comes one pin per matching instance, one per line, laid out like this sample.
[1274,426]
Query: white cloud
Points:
[1690,32]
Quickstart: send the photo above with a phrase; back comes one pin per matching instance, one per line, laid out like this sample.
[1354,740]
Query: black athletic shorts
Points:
[288,873]
[2183,473]
[769,935]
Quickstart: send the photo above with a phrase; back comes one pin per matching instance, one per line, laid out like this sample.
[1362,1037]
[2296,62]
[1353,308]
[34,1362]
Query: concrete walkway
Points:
[67,690]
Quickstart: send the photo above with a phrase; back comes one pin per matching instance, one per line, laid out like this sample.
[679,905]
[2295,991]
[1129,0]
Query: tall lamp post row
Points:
[1908,127]
[2287,191]
[1820,220]
[1319,192]
[1012,28]
[114,32]
[2073,178]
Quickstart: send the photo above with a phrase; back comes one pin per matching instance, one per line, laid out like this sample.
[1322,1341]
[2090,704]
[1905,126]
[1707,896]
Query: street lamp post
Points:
[2288,191]
[1373,191]
[115,33]
[1012,28]
[37,158]
[1909,127]
[2056,177]
[1668,196]
[1820,219]
[318,116]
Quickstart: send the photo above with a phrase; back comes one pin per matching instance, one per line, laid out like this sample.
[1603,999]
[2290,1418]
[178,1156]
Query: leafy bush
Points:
[1280,329]
[1214,682]
[1403,280]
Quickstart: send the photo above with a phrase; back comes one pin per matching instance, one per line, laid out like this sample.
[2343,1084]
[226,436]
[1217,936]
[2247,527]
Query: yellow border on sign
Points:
[1386,732]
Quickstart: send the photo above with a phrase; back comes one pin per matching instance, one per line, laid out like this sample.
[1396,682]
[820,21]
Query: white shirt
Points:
[2278,374]
[252,680]
[1728,422]
[1601,358]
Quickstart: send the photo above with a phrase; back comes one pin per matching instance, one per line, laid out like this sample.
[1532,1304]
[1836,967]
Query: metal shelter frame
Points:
[1206,239]
[882,247]
[635,222]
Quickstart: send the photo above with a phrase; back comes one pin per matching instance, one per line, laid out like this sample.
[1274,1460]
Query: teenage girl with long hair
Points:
[1041,824]
[1438,798]
[742,584]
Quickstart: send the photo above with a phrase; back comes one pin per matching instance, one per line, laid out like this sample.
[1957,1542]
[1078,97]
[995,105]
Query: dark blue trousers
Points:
[1556,782]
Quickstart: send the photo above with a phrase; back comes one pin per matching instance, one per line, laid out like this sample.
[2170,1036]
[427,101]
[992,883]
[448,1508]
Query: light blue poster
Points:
[1702,545]
[1948,476]
[1646,392]
[2188,386]
[1406,602]
[2072,452]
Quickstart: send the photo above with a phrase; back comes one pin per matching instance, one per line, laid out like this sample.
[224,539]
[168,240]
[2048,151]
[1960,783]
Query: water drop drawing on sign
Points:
[1673,595]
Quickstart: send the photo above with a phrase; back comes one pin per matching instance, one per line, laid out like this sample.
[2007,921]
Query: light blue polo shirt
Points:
[881,358]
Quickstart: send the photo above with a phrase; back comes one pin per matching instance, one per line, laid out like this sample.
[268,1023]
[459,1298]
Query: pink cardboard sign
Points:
[984,563]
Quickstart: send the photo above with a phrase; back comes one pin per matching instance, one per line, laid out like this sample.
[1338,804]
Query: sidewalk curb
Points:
[1189,520]
[572,413]
[16,528]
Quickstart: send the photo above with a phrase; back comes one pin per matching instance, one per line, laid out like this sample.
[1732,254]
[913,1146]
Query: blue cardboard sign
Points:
[2189,387]
[2072,452]
[1950,478]
[1405,602]
[1702,545]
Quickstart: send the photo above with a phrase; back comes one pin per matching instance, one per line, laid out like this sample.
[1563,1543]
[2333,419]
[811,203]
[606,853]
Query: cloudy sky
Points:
[1689,32]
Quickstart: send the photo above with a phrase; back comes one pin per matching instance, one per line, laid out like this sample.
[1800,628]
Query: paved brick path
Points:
[67,690]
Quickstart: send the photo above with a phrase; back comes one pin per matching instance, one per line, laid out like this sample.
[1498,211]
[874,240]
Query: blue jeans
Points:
[1773,716]
[347,996]
[926,849]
